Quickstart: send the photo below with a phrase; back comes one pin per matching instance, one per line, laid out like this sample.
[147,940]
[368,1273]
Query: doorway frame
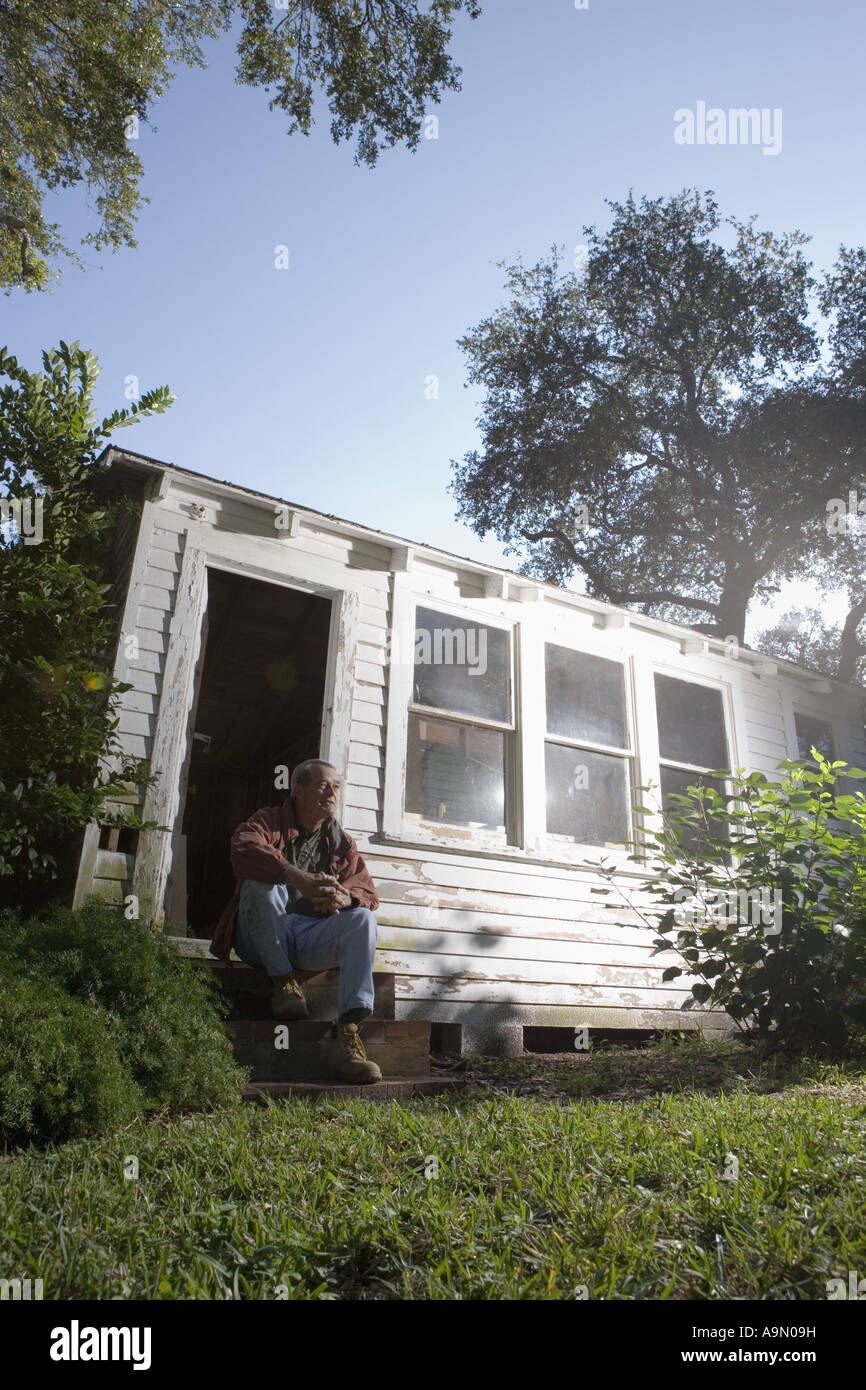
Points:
[243,556]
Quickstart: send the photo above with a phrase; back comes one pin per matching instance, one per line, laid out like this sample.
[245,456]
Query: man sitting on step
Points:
[305,900]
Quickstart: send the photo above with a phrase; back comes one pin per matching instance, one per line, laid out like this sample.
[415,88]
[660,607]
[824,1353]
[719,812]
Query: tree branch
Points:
[621,597]
[16,225]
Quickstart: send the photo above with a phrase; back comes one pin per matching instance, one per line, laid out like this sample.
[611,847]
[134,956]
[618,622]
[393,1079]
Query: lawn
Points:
[607,1175]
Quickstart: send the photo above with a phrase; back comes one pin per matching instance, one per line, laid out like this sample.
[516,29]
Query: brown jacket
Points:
[257,853]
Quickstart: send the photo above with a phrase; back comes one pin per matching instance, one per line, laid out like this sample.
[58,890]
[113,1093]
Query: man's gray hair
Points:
[301,774]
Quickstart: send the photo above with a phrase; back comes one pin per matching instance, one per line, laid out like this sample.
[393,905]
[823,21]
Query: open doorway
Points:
[260,702]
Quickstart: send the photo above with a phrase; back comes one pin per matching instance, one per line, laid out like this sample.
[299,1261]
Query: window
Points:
[814,733]
[588,749]
[459,722]
[692,739]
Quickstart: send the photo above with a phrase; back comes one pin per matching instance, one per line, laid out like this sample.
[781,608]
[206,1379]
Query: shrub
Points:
[61,1073]
[61,759]
[765,898]
[165,1014]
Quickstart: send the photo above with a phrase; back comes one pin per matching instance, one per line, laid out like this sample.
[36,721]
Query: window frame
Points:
[561,847]
[822,718]
[409,827]
[729,697]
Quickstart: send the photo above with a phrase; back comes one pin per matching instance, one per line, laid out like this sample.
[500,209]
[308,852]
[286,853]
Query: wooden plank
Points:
[151,641]
[136,745]
[373,655]
[766,719]
[132,721]
[362,776]
[276,561]
[145,684]
[365,671]
[339,681]
[496,927]
[365,754]
[152,619]
[109,890]
[434,939]
[158,596]
[360,822]
[516,908]
[372,697]
[363,712]
[365,733]
[139,701]
[114,865]
[86,865]
[374,634]
[495,874]
[160,559]
[161,803]
[712,1022]
[545,995]
[357,795]
[496,970]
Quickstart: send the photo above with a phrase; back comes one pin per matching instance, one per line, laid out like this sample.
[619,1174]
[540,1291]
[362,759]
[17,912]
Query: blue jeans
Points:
[278,941]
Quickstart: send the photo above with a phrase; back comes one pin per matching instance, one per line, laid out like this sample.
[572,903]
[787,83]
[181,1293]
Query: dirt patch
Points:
[635,1074]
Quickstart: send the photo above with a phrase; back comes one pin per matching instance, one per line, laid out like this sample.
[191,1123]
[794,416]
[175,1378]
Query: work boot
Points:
[348,1058]
[287,998]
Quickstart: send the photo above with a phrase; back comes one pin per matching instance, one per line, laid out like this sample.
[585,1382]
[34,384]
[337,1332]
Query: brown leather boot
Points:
[287,998]
[348,1058]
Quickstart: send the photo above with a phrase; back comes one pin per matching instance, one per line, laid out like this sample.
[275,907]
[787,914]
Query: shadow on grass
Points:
[675,1065]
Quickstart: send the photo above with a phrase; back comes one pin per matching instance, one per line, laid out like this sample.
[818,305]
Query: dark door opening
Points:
[260,704]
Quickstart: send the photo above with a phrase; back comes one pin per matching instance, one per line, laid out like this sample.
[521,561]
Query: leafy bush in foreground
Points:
[765,896]
[61,1075]
[112,988]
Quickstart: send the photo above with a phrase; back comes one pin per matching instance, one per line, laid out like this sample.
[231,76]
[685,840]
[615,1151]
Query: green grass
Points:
[534,1198]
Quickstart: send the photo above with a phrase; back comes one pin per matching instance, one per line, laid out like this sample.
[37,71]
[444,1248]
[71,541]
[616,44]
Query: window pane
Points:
[675,780]
[814,733]
[691,723]
[585,696]
[460,665]
[587,795]
[455,773]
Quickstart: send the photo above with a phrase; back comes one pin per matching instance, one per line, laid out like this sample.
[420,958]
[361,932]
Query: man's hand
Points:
[307,884]
[328,898]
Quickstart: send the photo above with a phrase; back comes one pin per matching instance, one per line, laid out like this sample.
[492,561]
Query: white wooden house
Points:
[481,782]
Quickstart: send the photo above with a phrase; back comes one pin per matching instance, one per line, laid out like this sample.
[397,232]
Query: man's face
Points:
[318,799]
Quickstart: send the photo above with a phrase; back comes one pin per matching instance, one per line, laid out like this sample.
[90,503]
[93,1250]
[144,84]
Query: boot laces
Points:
[354,1046]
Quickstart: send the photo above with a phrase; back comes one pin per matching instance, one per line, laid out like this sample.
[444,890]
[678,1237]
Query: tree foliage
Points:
[805,637]
[664,423]
[75,77]
[58,732]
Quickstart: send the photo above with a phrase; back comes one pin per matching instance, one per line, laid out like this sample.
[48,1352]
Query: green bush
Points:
[163,1014]
[61,1073]
[764,891]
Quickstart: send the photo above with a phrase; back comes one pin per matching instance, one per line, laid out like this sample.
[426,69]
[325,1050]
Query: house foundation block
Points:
[492,1039]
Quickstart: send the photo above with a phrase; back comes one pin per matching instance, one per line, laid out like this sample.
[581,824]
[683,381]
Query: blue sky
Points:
[310,382]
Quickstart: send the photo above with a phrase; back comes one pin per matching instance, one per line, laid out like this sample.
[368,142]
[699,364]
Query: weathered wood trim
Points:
[530,713]
[269,559]
[738,736]
[399,690]
[162,803]
[86,865]
[340,684]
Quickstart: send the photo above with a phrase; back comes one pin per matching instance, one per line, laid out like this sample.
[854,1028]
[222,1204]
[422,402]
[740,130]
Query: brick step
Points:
[401,1048]
[249,991]
[392,1088]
